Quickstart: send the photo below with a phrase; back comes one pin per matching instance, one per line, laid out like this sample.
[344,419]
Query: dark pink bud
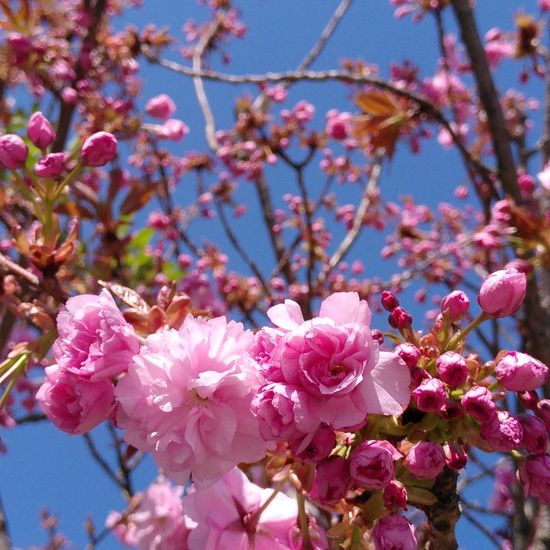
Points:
[394,531]
[503,432]
[451,410]
[315,446]
[389,300]
[527,185]
[456,304]
[40,131]
[378,336]
[430,395]
[543,412]
[13,152]
[535,435]
[479,404]
[502,292]
[371,464]
[400,318]
[529,399]
[518,371]
[395,495]
[418,375]
[452,369]
[426,460]
[99,149]
[456,456]
[50,166]
[409,353]
[534,475]
[332,480]
[160,106]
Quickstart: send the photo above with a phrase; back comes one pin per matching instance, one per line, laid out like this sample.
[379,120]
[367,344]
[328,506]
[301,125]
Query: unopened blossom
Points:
[75,405]
[543,411]
[186,399]
[503,432]
[518,371]
[502,292]
[50,166]
[338,124]
[371,464]
[40,130]
[456,456]
[314,446]
[395,495]
[409,353]
[430,395]
[452,369]
[479,404]
[156,520]
[335,361]
[95,342]
[161,106]
[426,460]
[456,304]
[99,149]
[534,474]
[228,515]
[544,5]
[13,152]
[332,480]
[394,532]
[535,434]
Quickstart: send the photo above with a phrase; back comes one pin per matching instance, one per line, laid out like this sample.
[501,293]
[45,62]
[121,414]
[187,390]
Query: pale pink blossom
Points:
[161,106]
[335,361]
[186,399]
[95,341]
[228,515]
[156,519]
[518,371]
[75,405]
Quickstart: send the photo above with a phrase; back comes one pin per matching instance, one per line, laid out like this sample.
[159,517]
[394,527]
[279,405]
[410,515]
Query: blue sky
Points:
[45,467]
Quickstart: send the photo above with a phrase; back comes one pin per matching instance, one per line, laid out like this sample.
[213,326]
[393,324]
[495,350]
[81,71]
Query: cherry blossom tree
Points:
[281,408]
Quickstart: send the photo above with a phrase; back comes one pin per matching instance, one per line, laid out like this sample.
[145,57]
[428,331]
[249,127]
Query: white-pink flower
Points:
[155,519]
[229,514]
[335,364]
[186,399]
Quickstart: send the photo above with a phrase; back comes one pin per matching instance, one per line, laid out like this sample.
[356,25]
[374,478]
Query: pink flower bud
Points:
[160,106]
[99,149]
[544,5]
[518,371]
[535,435]
[543,412]
[315,446]
[173,129]
[452,369]
[527,184]
[502,292]
[40,130]
[395,495]
[534,475]
[378,336]
[389,300]
[13,152]
[503,432]
[479,404]
[426,460]
[394,532]
[371,464]
[50,166]
[332,480]
[409,353]
[456,303]
[400,318]
[529,399]
[451,410]
[430,395]
[456,456]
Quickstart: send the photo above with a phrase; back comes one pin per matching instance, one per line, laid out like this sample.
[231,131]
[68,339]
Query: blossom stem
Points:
[263,507]
[304,523]
[481,318]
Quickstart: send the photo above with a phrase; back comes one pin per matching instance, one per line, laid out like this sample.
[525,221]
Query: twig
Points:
[353,233]
[5,542]
[240,250]
[99,459]
[124,471]
[209,123]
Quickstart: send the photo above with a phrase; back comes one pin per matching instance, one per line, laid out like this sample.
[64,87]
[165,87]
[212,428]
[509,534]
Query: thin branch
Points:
[353,233]
[238,247]
[209,123]
[99,459]
[124,473]
[5,542]
[16,269]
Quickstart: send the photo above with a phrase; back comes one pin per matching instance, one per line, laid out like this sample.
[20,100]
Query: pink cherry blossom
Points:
[334,359]
[229,514]
[95,341]
[535,477]
[186,399]
[394,532]
[156,520]
[74,404]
